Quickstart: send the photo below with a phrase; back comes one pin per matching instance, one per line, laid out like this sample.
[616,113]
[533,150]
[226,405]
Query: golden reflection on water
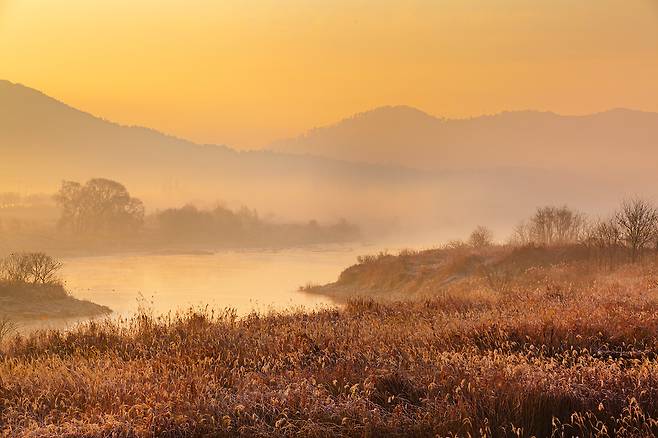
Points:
[244,281]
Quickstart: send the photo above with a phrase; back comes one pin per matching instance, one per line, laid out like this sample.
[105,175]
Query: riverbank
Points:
[32,303]
[558,349]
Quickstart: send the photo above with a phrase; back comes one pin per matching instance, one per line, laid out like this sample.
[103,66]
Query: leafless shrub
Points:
[481,237]
[604,238]
[551,226]
[16,268]
[407,252]
[637,220]
[455,244]
[36,268]
[521,235]
[44,268]
[372,258]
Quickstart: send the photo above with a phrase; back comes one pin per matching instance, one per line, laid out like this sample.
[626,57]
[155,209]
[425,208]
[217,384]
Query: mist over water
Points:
[338,218]
[243,280]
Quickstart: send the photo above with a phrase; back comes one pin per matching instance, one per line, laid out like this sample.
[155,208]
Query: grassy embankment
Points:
[491,342]
[22,301]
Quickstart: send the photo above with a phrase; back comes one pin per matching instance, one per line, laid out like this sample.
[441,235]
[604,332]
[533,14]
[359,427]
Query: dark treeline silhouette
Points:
[189,222]
[101,207]
[242,227]
[102,213]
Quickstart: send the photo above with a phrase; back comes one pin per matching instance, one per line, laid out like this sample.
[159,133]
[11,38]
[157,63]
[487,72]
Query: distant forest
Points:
[101,213]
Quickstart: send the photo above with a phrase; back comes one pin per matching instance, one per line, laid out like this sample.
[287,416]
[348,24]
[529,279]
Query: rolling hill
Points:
[44,141]
[617,141]
[391,168]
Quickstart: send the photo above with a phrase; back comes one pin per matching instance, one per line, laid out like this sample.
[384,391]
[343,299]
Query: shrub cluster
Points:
[628,232]
[34,267]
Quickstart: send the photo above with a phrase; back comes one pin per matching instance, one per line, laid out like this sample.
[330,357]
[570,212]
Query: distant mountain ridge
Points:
[407,136]
[44,141]
[390,168]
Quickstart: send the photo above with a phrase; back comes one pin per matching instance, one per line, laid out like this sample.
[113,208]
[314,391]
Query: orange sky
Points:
[246,72]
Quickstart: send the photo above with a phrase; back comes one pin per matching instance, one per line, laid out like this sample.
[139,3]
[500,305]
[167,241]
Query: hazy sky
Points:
[245,72]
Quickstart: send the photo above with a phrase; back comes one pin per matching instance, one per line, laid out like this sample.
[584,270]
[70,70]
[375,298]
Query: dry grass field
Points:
[552,349]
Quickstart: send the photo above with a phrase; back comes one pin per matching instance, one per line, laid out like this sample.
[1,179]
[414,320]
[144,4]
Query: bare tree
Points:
[637,219]
[481,237]
[557,226]
[36,268]
[605,237]
[15,267]
[551,226]
[521,235]
[569,225]
[43,268]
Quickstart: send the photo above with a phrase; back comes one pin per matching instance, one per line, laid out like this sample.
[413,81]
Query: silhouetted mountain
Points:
[493,169]
[44,141]
[619,140]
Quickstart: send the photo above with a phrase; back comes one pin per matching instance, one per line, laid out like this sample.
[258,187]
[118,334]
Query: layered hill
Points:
[619,140]
[44,141]
[391,168]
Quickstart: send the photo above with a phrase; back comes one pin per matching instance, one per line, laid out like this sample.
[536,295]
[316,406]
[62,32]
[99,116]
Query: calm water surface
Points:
[245,280]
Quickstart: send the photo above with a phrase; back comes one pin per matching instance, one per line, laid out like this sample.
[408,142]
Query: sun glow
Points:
[246,73]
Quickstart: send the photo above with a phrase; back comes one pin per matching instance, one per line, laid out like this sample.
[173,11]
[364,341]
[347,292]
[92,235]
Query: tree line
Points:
[104,209]
[629,232]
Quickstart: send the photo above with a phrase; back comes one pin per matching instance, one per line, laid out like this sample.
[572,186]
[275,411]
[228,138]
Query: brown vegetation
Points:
[25,302]
[565,348]
[35,268]
[30,289]
[465,340]
[481,237]
[551,226]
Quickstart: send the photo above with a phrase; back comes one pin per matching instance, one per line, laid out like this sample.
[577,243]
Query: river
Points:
[243,280]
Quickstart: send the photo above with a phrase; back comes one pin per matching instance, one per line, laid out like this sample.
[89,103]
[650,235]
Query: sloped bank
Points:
[426,273]
[24,301]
